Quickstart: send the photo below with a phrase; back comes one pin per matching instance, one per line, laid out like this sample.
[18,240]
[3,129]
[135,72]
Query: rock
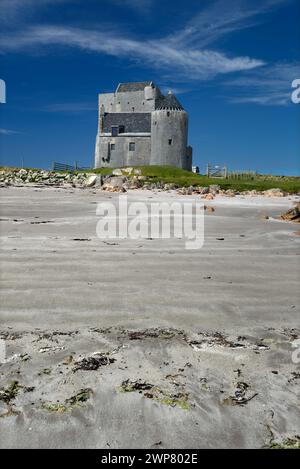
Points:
[128,171]
[208,197]
[274,193]
[214,188]
[23,172]
[293,214]
[252,193]
[203,190]
[93,180]
[229,193]
[115,184]
[209,209]
[117,172]
[137,172]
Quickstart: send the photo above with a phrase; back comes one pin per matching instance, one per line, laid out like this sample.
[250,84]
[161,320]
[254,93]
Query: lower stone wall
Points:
[121,155]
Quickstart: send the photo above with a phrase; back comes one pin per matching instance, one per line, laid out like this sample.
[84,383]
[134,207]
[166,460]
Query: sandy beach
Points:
[143,343]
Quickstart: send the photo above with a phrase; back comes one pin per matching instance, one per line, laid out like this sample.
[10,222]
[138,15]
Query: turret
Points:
[169,133]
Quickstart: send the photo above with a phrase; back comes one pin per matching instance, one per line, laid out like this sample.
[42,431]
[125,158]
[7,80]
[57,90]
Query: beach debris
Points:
[74,401]
[153,333]
[288,443]
[52,335]
[50,349]
[153,392]
[54,407]
[28,388]
[240,395]
[93,363]
[210,340]
[10,412]
[19,356]
[82,396]
[8,335]
[295,376]
[45,371]
[41,222]
[68,360]
[10,393]
[130,386]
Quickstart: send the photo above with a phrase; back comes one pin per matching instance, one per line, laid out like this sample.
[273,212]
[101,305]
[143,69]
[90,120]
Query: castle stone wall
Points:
[121,155]
[169,130]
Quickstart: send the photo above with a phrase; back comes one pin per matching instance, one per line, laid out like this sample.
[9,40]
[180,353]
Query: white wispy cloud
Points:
[158,53]
[8,132]
[222,18]
[270,85]
[180,58]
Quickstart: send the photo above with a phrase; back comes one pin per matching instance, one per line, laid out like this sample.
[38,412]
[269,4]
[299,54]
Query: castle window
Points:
[170,141]
[168,114]
[114,131]
[121,129]
[133,109]
[112,146]
[131,146]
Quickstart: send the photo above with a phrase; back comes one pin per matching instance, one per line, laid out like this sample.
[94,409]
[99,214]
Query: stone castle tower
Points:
[139,126]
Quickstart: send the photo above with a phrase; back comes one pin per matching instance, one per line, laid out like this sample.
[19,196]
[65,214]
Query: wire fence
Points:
[220,171]
[67,167]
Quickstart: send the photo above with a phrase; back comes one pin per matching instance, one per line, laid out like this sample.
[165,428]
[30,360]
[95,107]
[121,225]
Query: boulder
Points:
[203,190]
[128,170]
[117,172]
[293,214]
[214,188]
[208,197]
[229,193]
[93,180]
[114,184]
[274,193]
[209,209]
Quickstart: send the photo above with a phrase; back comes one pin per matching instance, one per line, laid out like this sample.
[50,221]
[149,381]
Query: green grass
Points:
[169,174]
[172,175]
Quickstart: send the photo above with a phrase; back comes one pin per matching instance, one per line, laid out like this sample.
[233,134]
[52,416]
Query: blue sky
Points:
[230,62]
